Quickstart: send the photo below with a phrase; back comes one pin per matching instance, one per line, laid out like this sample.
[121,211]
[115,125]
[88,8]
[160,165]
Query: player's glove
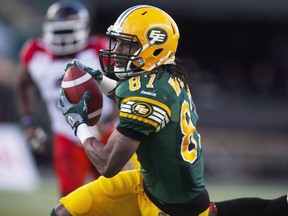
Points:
[37,137]
[75,114]
[96,74]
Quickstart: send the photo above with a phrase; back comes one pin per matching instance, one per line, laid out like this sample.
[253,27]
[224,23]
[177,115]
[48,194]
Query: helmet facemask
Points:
[66,28]
[131,63]
[65,37]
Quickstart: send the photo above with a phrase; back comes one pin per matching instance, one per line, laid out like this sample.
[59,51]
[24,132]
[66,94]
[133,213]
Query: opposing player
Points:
[157,119]
[65,36]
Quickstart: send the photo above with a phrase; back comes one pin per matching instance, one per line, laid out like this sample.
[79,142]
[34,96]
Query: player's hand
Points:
[75,114]
[36,136]
[96,74]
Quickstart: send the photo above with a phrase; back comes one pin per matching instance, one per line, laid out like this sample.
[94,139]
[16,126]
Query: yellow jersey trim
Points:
[148,100]
[138,118]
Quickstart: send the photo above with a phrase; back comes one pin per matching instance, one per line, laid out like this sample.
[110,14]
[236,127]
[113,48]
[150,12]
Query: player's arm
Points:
[24,91]
[25,94]
[108,159]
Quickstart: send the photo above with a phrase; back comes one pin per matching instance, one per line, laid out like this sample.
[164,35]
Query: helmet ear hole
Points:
[157,52]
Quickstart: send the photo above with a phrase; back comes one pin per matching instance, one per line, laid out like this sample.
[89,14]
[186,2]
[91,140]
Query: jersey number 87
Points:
[189,144]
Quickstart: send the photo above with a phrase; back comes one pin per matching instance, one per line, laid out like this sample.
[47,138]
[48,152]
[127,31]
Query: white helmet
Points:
[66,27]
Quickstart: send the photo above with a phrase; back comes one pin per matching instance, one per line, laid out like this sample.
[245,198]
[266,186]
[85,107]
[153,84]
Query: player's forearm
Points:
[25,94]
[98,153]
[99,158]
[24,101]
[94,151]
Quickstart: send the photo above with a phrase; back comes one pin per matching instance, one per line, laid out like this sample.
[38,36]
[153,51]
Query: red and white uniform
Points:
[70,161]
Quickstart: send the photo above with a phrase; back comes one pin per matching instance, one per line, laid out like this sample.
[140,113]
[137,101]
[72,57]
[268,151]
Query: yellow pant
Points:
[122,195]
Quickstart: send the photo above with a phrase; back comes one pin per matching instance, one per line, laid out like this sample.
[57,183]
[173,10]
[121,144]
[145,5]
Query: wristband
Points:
[95,131]
[27,120]
[107,85]
[83,132]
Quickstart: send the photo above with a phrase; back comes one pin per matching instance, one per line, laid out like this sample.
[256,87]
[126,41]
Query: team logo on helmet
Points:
[142,109]
[159,35]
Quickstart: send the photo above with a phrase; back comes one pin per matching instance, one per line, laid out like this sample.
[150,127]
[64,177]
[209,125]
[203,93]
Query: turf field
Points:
[40,201]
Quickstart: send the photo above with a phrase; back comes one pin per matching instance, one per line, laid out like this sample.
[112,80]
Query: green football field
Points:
[40,201]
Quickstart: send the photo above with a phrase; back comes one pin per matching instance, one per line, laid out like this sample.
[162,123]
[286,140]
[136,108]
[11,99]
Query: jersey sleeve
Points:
[98,42]
[27,51]
[142,110]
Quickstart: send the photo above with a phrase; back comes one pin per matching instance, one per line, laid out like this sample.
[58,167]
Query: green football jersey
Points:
[170,154]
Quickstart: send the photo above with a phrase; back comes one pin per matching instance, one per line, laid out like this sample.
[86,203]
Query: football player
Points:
[65,37]
[157,120]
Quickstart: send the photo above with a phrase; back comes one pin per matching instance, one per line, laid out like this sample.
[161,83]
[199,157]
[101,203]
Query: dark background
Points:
[236,54]
[242,46]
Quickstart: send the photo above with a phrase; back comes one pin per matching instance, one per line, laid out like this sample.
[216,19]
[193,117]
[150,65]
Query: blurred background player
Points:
[66,35]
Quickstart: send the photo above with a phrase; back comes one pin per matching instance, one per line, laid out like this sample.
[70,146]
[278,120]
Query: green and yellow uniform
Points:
[158,110]
[170,153]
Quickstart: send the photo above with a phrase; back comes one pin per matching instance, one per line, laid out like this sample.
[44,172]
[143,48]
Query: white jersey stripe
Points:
[125,110]
[155,118]
[158,115]
[125,106]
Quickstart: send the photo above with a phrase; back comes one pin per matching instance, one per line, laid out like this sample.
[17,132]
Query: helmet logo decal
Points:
[158,35]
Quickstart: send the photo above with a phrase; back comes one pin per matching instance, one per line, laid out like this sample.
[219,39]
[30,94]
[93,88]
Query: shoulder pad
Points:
[29,48]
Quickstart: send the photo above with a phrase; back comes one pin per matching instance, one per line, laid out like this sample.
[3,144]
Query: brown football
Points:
[75,82]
